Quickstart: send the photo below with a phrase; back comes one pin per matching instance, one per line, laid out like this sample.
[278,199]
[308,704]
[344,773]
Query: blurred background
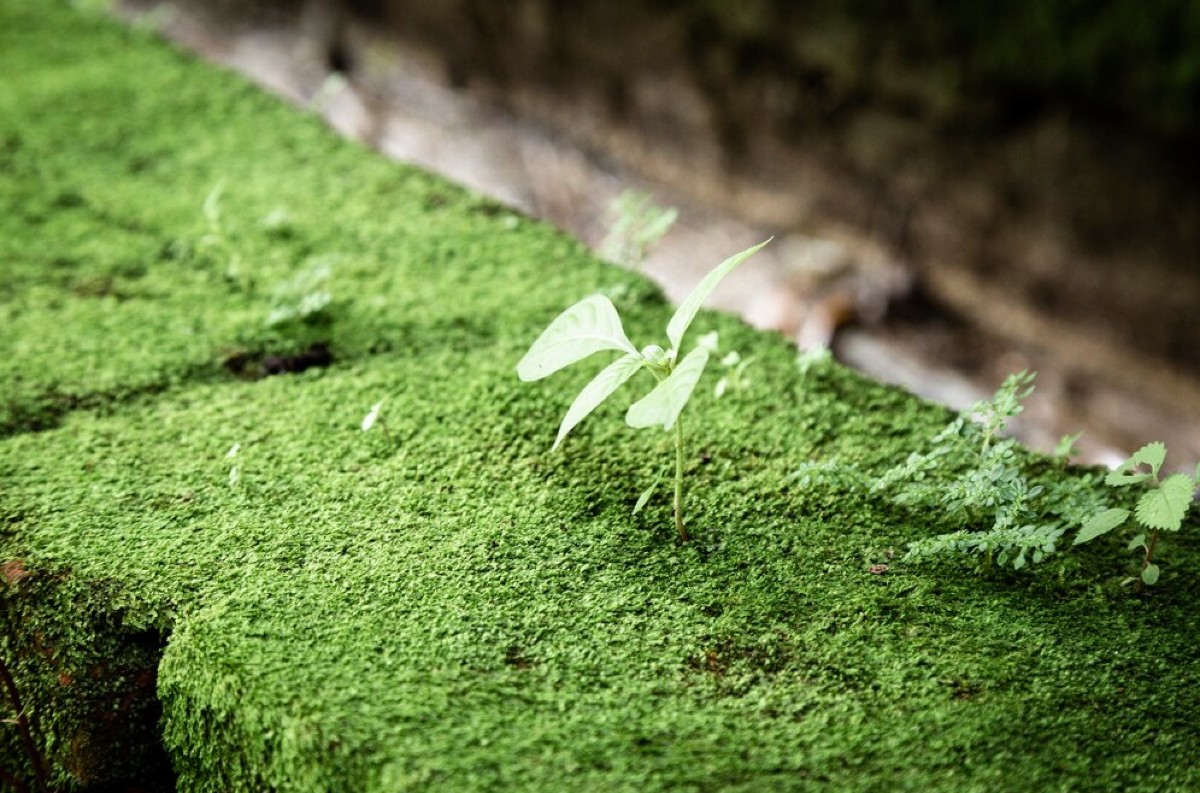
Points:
[957,190]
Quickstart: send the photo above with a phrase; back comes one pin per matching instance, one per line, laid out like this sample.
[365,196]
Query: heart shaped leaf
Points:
[589,326]
[687,309]
[663,405]
[602,386]
[1102,523]
[1164,506]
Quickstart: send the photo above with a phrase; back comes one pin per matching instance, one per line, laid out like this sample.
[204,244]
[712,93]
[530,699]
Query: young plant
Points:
[638,224]
[374,418]
[304,298]
[974,478]
[1162,508]
[592,325]
[217,240]
[735,374]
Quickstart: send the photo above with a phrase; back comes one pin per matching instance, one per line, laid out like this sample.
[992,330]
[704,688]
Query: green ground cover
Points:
[455,608]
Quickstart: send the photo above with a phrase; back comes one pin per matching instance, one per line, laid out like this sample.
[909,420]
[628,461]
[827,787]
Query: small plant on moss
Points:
[374,418]
[638,224]
[235,468]
[592,325]
[1161,508]
[218,242]
[303,298]
[973,477]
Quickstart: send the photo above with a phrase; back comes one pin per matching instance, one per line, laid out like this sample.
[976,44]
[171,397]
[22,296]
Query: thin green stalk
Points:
[1141,584]
[683,535]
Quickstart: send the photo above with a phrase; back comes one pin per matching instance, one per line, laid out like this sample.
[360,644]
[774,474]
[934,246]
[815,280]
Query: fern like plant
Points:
[592,325]
[972,476]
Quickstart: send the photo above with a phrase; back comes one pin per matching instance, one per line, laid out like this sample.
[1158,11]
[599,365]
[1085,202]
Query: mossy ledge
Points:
[454,608]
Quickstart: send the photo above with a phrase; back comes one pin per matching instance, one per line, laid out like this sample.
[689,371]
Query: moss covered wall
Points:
[452,607]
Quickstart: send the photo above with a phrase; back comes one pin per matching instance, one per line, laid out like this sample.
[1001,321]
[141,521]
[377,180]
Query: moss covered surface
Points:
[454,608]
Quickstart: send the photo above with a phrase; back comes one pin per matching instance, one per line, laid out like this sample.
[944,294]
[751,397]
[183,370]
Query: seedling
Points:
[235,470]
[1162,508]
[592,325]
[303,298]
[973,476]
[735,374]
[638,224]
[1066,448]
[375,418]
[217,240]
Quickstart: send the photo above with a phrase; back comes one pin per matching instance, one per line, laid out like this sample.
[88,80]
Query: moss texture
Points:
[456,608]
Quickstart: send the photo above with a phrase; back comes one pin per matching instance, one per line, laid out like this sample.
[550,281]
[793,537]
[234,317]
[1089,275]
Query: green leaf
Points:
[663,405]
[1102,523]
[599,389]
[691,304]
[1152,454]
[1150,575]
[1137,542]
[1121,477]
[1066,446]
[1164,506]
[645,496]
[589,326]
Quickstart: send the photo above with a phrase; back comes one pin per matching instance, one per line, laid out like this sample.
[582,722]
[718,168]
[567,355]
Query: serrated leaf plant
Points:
[1161,508]
[592,325]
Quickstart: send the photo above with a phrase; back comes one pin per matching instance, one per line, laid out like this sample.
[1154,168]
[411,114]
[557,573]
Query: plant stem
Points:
[679,527]
[22,722]
[1141,585]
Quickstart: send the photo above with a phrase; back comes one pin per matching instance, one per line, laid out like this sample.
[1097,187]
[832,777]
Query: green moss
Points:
[459,609]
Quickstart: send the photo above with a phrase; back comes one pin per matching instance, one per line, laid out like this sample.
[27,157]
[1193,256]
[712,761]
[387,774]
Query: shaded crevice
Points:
[88,683]
[257,365]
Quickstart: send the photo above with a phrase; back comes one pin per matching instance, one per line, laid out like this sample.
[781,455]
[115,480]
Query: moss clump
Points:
[457,609]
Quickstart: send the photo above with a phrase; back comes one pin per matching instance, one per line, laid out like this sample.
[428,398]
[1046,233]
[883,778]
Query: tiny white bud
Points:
[709,341]
[371,417]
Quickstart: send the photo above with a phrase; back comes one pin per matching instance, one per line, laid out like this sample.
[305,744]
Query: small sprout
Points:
[813,358]
[375,417]
[277,220]
[645,496]
[638,224]
[235,471]
[735,374]
[1161,508]
[304,297]
[333,85]
[592,325]
[709,341]
[1065,449]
